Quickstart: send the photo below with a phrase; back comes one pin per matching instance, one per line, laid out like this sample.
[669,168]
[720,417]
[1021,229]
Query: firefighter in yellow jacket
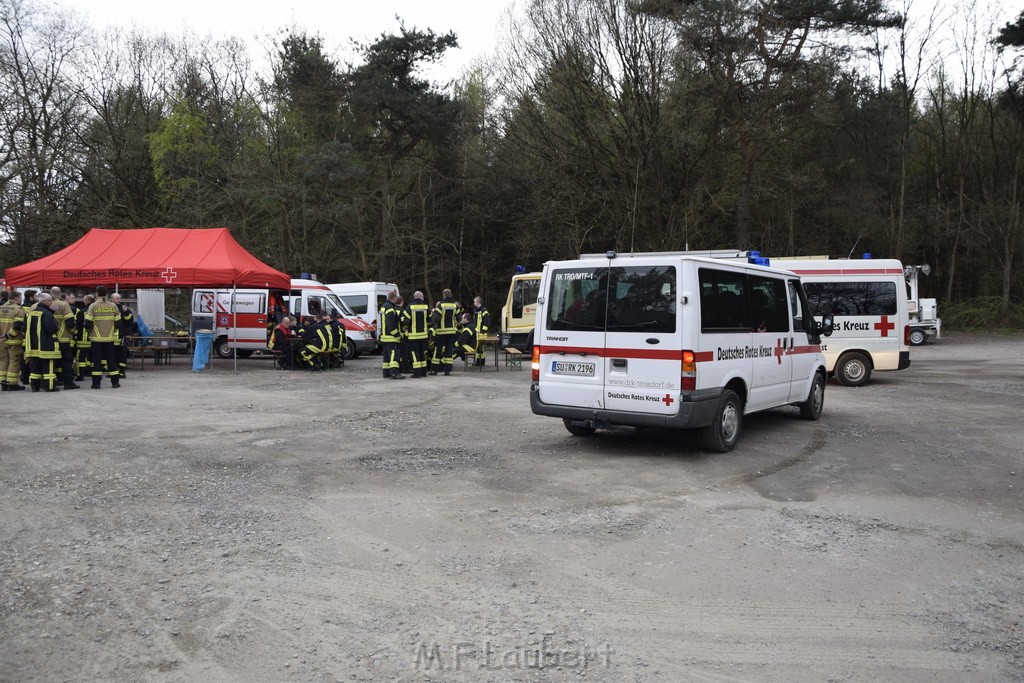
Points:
[65,316]
[443,321]
[12,342]
[103,320]
[41,347]
[417,322]
[391,336]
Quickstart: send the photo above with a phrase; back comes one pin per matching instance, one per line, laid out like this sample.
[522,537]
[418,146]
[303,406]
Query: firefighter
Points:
[41,345]
[391,336]
[466,337]
[417,321]
[83,362]
[103,322]
[65,316]
[26,305]
[339,341]
[12,342]
[443,322]
[127,328]
[315,342]
[481,324]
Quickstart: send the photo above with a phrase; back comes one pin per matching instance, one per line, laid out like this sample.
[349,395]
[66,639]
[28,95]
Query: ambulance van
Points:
[239,317]
[670,340]
[869,303]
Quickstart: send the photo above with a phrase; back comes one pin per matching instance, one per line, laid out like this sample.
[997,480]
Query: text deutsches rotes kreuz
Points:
[739,352]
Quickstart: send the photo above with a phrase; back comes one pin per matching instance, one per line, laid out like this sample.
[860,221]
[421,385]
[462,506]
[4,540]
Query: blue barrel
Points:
[204,347]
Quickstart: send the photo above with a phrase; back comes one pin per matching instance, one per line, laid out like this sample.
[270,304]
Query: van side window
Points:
[851,298]
[796,307]
[768,304]
[357,302]
[643,299]
[724,301]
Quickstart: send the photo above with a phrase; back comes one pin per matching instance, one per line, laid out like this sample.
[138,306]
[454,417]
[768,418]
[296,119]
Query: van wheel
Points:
[578,430]
[853,369]
[918,337]
[350,350]
[811,408]
[723,433]
[222,348]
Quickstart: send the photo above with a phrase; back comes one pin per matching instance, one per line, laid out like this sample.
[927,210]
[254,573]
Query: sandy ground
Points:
[270,525]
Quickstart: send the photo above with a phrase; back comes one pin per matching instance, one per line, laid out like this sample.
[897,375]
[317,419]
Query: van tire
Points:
[578,430]
[350,350]
[853,369]
[811,408]
[221,348]
[918,337]
[724,431]
[245,353]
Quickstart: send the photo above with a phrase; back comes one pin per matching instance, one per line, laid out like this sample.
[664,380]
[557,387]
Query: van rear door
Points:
[642,338]
[572,340]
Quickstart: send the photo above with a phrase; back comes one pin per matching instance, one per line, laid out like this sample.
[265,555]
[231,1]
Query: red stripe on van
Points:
[703,356]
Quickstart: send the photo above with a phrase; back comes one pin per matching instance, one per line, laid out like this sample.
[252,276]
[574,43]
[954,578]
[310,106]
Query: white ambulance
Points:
[671,340]
[239,317]
[868,300]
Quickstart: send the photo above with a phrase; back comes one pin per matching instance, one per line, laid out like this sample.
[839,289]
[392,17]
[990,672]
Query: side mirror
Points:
[827,325]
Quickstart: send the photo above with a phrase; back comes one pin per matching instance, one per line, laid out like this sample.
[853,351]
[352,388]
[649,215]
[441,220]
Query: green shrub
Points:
[984,313]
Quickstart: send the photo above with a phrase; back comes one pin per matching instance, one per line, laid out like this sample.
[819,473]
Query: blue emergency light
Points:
[520,270]
[867,255]
[756,258]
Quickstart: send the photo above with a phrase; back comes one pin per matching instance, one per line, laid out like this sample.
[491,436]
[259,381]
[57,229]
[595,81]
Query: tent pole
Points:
[234,325]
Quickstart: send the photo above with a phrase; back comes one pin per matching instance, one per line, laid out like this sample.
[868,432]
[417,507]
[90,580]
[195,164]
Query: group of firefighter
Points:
[48,339]
[315,343]
[417,339]
[422,341]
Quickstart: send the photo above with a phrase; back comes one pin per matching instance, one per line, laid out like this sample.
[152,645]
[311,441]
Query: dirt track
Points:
[264,525]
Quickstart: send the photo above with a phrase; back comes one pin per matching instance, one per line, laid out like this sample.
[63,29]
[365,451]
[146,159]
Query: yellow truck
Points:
[519,313]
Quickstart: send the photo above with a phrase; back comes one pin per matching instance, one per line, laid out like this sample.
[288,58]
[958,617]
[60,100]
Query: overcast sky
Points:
[476,22]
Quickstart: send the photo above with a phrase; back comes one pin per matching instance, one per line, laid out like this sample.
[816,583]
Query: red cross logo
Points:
[169,274]
[667,400]
[884,325]
[779,351]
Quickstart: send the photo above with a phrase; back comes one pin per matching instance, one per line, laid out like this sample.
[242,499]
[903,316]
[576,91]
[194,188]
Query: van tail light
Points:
[535,364]
[688,372]
[906,335]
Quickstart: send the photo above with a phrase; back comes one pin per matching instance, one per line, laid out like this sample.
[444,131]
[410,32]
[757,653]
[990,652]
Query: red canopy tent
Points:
[151,257]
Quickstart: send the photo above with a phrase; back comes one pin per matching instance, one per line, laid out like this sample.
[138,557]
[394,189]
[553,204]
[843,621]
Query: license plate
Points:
[566,368]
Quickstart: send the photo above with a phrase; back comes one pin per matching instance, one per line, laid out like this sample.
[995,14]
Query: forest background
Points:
[794,127]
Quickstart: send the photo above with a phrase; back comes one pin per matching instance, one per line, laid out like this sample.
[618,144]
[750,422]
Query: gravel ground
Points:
[269,525]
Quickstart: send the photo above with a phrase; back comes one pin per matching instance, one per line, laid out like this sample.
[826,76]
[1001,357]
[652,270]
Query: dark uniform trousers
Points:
[103,360]
[67,363]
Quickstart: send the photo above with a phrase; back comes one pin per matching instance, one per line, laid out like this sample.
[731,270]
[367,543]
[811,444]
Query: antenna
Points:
[850,255]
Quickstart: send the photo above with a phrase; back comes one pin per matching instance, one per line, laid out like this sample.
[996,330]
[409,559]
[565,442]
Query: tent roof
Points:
[151,257]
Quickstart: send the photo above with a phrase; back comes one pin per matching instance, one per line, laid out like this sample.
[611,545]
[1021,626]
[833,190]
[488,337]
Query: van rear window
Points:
[622,299]
[851,298]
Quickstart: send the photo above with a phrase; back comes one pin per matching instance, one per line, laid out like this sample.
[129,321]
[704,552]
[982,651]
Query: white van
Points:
[364,298]
[868,300]
[670,340]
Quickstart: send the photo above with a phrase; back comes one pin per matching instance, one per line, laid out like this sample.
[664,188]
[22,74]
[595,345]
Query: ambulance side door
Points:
[805,355]
[771,341]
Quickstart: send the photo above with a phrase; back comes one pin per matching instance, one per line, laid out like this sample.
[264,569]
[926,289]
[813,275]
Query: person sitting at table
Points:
[466,341]
[281,342]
